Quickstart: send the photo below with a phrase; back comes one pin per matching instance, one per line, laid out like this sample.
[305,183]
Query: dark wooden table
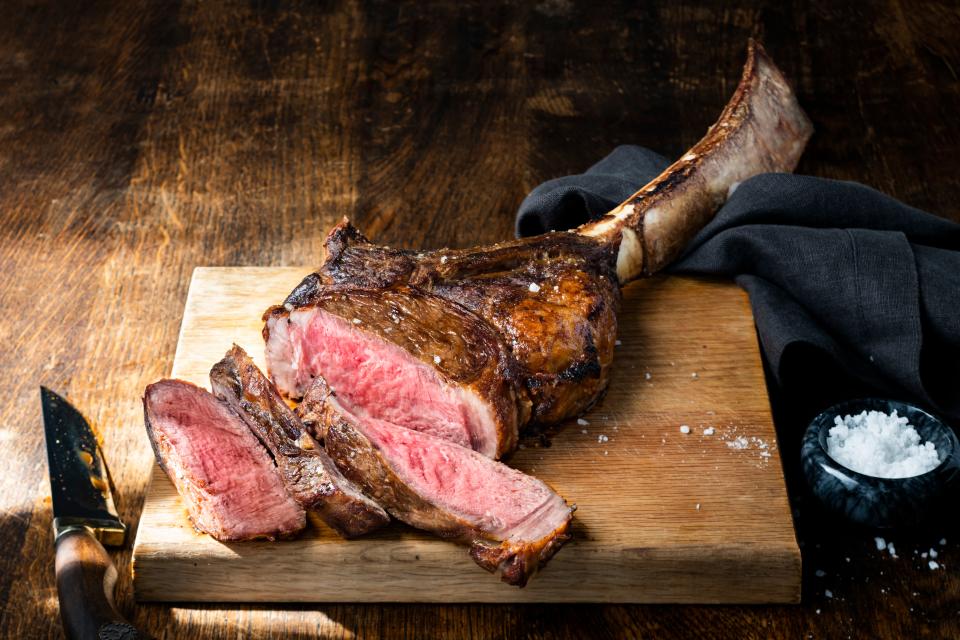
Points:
[139,140]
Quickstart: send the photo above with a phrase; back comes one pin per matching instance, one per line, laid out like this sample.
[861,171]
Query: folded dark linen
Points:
[853,292]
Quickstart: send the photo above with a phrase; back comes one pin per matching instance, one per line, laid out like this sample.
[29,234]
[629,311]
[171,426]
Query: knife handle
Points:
[85,580]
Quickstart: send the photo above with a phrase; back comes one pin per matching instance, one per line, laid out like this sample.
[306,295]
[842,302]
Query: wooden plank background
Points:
[139,140]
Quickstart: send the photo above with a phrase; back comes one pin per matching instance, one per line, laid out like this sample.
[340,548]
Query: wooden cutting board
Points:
[662,516]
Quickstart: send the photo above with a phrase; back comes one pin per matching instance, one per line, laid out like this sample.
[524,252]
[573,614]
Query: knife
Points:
[84,519]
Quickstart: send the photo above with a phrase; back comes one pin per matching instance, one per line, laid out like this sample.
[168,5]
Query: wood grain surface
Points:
[662,516]
[139,140]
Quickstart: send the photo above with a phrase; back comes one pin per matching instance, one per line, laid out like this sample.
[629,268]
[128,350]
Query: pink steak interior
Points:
[227,478]
[504,502]
[374,378]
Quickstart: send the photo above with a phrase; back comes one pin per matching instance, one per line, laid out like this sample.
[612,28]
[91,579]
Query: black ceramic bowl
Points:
[881,502]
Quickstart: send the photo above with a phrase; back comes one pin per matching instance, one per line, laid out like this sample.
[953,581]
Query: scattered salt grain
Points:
[828,593]
[892,550]
[534,287]
[356,321]
[647,376]
[880,445]
[684,429]
[943,542]
[618,343]
[443,259]
[694,375]
[697,506]
[934,565]
[881,543]
[738,443]
[602,438]
[556,288]
[582,422]
[924,555]
[933,552]
[583,431]
[709,431]
[436,359]
[820,573]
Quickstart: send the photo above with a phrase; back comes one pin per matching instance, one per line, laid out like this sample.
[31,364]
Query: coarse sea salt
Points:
[880,445]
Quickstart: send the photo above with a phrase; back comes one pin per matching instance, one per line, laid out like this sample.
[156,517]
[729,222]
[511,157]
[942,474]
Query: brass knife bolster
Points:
[109,533]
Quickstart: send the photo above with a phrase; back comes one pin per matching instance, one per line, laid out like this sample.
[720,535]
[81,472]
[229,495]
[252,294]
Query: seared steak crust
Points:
[553,298]
[308,473]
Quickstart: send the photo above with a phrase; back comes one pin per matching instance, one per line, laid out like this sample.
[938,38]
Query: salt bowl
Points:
[880,502]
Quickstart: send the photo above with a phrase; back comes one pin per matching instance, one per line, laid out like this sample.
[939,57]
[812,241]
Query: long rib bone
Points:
[762,129]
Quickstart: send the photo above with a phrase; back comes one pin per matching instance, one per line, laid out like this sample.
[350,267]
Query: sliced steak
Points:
[308,473]
[512,522]
[401,355]
[223,473]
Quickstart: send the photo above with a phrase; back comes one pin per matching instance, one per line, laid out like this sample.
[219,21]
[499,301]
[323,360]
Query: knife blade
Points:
[84,519]
[80,485]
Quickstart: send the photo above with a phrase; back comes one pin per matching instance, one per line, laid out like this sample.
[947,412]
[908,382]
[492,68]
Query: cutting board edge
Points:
[780,583]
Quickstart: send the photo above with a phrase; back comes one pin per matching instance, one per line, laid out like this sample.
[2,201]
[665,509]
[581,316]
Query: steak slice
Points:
[224,475]
[308,473]
[512,522]
[401,355]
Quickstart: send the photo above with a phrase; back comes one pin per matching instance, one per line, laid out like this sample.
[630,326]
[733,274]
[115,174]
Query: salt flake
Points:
[880,445]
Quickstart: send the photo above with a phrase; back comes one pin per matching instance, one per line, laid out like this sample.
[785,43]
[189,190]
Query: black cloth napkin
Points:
[853,292]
